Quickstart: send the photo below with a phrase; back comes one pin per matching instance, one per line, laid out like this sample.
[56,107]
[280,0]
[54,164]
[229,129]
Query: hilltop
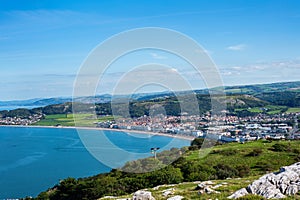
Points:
[253,90]
[240,162]
[240,100]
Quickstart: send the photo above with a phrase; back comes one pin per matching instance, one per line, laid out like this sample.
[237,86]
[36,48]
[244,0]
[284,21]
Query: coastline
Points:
[183,137]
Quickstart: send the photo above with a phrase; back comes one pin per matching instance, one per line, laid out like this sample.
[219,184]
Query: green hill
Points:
[246,161]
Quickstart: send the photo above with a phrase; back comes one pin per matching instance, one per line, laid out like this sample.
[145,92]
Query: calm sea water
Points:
[35,159]
[16,107]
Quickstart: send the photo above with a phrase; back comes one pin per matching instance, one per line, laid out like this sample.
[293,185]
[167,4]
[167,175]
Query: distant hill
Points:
[263,88]
[286,94]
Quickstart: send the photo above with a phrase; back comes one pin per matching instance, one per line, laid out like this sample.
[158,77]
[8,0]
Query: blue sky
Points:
[43,43]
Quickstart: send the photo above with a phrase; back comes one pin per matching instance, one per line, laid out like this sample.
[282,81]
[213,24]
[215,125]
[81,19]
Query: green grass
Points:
[86,120]
[69,120]
[270,109]
[293,110]
[188,190]
[267,159]
[215,155]
[232,155]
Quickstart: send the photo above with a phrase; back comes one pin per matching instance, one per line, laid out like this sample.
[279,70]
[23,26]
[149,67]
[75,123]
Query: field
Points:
[270,109]
[293,110]
[87,120]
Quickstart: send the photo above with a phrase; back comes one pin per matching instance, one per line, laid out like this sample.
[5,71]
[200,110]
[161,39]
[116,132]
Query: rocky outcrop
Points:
[142,195]
[238,194]
[277,185]
[168,192]
[177,197]
[207,187]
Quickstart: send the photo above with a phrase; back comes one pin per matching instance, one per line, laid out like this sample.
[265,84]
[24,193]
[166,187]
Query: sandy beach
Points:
[190,138]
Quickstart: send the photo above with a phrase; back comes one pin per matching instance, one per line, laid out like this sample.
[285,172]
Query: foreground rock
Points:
[277,185]
[177,197]
[142,195]
[207,187]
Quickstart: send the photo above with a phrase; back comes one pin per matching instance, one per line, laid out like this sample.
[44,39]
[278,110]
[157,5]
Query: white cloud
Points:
[157,56]
[238,47]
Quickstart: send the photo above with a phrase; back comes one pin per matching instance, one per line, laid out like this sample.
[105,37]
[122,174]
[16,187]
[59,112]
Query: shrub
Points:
[197,142]
[278,147]
[228,152]
[243,170]
[255,152]
[224,171]
[297,158]
[265,166]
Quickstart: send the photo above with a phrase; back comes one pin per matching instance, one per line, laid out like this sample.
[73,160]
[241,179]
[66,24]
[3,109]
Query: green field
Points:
[293,110]
[86,120]
[269,109]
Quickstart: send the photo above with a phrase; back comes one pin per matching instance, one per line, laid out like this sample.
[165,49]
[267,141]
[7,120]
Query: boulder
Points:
[177,197]
[238,194]
[168,192]
[277,185]
[142,195]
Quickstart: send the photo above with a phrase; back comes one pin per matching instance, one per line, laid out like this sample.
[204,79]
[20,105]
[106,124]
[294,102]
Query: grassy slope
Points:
[239,156]
[219,154]
[188,191]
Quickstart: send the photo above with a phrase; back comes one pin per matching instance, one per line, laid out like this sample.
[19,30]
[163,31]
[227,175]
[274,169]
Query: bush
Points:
[265,166]
[197,142]
[255,152]
[279,147]
[228,152]
[243,170]
[297,158]
[225,171]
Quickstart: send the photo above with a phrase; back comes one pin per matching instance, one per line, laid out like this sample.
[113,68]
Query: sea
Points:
[16,107]
[33,159]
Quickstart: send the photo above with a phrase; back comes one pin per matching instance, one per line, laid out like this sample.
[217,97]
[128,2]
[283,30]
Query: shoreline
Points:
[183,137]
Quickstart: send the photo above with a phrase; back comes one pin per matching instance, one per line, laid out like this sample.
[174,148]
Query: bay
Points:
[34,159]
[17,107]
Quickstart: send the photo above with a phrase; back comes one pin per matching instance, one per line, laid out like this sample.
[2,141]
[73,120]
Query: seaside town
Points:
[21,121]
[225,128]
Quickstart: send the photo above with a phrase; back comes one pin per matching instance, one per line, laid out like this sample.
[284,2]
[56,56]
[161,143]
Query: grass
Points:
[188,190]
[219,154]
[269,109]
[268,159]
[293,110]
[87,120]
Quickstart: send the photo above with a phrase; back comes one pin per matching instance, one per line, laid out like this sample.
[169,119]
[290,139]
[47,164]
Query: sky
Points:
[43,43]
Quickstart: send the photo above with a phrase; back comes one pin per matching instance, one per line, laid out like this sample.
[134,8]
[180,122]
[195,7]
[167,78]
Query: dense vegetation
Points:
[222,161]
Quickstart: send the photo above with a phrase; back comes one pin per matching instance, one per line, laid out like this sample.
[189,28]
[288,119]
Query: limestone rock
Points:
[275,185]
[142,195]
[291,190]
[168,192]
[238,194]
[177,197]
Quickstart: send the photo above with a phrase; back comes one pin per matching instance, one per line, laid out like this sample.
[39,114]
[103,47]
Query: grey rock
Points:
[168,192]
[275,185]
[238,194]
[177,197]
[291,190]
[142,195]
[279,196]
